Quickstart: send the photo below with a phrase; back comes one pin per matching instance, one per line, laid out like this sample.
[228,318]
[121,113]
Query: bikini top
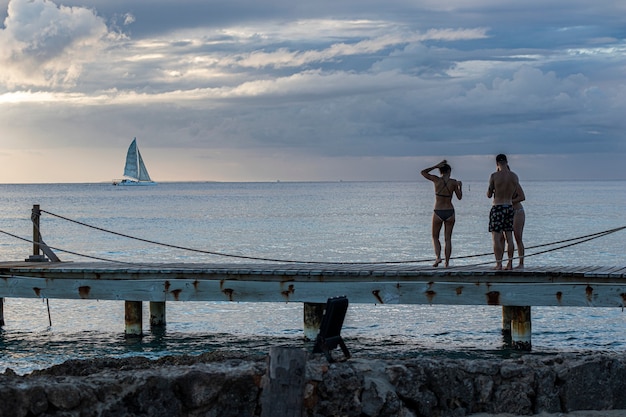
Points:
[445,186]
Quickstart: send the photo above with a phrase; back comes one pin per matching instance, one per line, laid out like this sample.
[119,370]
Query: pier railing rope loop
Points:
[570,242]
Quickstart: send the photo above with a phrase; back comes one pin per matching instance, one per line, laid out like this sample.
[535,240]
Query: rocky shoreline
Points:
[228,384]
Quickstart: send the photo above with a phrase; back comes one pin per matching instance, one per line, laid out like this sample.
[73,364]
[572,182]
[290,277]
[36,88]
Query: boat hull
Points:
[131,183]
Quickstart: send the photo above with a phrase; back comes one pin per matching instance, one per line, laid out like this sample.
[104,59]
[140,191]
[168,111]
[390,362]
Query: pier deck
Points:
[591,286]
[313,284]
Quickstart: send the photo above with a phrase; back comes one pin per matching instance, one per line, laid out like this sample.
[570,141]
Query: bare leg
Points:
[498,248]
[508,236]
[518,230]
[510,250]
[448,226]
[437,223]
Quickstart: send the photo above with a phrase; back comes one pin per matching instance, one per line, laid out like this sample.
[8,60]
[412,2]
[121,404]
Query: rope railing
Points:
[568,243]
[575,241]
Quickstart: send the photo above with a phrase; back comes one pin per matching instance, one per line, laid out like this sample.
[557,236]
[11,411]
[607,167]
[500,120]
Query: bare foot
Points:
[498,267]
[509,265]
[520,266]
[437,262]
[446,264]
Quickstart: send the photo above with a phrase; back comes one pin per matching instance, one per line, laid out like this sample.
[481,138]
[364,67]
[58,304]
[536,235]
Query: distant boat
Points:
[135,172]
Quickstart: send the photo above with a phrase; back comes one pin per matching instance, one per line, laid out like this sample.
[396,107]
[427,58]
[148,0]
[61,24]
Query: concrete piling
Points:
[284,382]
[133,317]
[521,328]
[313,313]
[157,313]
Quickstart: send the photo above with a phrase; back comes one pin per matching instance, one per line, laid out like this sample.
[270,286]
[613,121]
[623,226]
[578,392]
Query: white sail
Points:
[135,170]
[143,172]
[131,168]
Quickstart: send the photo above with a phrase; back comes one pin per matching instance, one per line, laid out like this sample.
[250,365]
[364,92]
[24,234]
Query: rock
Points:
[596,381]
[223,384]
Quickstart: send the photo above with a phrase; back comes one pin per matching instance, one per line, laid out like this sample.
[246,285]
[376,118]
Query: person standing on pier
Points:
[519,219]
[502,186]
[443,215]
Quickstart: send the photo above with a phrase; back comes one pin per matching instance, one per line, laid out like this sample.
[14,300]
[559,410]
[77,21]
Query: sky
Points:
[250,90]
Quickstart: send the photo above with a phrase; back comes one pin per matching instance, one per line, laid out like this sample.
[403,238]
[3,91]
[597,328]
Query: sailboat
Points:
[135,171]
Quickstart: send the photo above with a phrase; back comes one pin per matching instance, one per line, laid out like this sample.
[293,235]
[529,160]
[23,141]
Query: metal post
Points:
[313,313]
[133,318]
[521,328]
[157,313]
[1,312]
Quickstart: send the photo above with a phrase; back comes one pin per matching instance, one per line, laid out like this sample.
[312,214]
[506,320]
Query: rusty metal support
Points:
[1,312]
[133,318]
[313,313]
[157,313]
[521,328]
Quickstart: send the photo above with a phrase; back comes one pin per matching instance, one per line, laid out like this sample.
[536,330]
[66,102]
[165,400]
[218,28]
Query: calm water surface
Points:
[338,222]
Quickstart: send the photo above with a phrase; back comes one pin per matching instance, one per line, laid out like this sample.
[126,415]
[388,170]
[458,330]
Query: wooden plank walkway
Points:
[592,286]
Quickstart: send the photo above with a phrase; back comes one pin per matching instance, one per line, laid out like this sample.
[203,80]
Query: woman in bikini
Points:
[519,218]
[443,215]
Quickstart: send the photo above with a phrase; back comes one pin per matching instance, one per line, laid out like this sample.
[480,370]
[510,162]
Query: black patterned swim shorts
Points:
[501,218]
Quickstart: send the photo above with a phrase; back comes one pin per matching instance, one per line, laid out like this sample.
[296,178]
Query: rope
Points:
[228,255]
[575,241]
[586,238]
[96,258]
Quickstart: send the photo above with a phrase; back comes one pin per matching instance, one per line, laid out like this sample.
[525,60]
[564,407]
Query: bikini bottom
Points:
[444,214]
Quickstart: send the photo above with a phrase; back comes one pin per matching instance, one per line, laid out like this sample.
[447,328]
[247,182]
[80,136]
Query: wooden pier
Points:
[312,284]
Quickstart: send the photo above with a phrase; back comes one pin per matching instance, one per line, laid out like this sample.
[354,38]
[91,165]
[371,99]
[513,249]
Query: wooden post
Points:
[157,313]
[313,313]
[521,328]
[36,256]
[283,384]
[133,318]
[35,217]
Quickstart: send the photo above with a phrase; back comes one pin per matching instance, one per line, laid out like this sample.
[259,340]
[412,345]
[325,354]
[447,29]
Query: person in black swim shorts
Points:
[501,218]
[443,215]
[502,186]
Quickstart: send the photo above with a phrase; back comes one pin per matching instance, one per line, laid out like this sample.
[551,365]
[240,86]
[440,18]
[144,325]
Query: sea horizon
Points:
[417,179]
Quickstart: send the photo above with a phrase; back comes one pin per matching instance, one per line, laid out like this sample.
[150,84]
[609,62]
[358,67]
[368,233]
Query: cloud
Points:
[43,44]
[349,80]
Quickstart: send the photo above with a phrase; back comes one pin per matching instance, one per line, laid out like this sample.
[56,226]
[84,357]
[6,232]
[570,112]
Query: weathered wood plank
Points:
[315,272]
[358,291]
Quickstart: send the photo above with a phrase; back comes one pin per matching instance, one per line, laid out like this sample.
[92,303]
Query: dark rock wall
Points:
[224,387]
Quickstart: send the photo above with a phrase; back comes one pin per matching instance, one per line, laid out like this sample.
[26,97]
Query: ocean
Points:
[298,221]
